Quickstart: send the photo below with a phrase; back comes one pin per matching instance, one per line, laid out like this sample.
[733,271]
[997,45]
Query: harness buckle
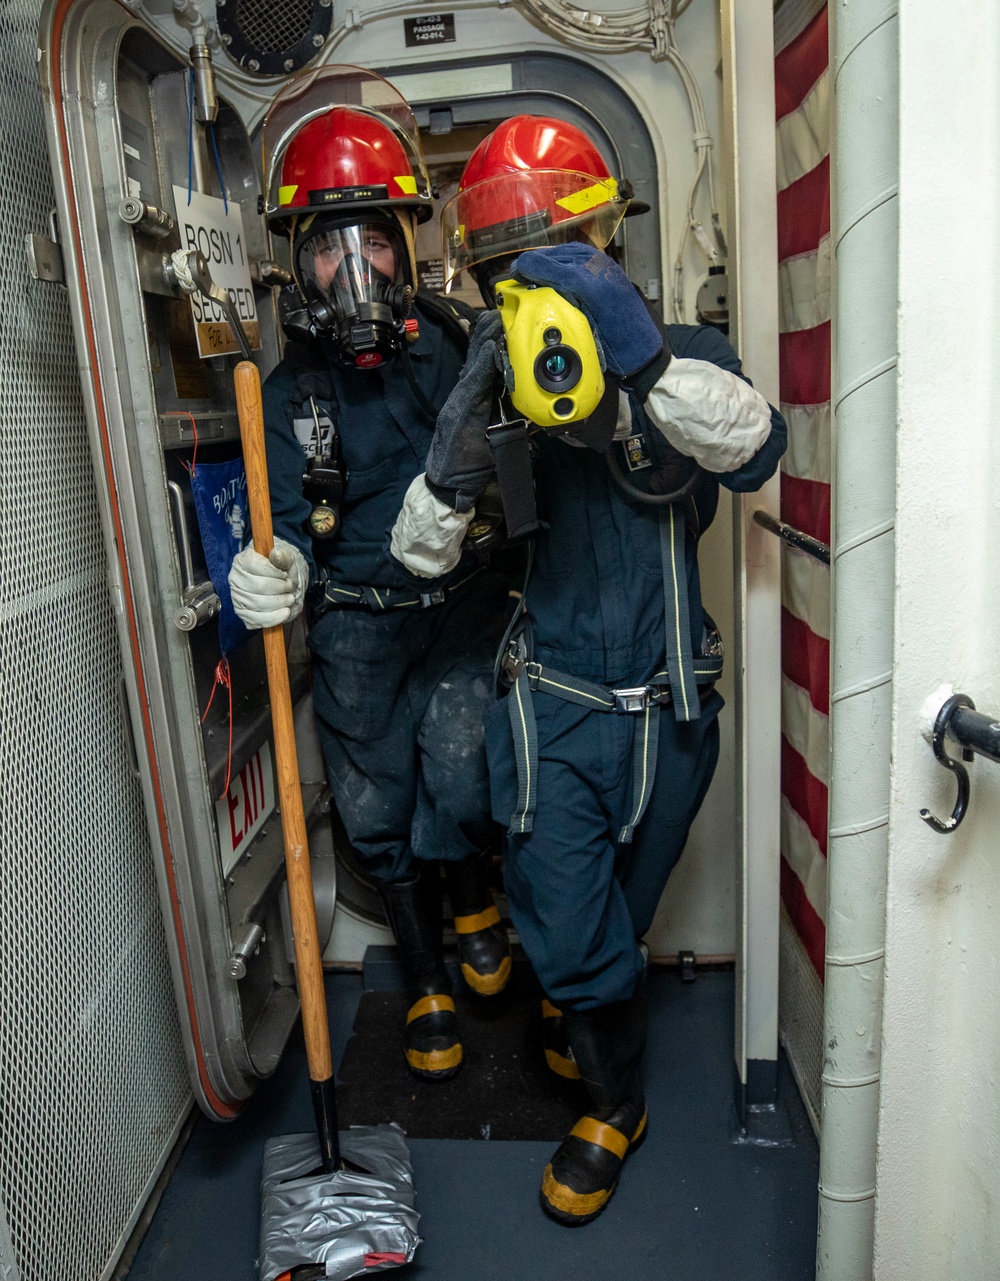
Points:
[427,599]
[632,700]
[512,664]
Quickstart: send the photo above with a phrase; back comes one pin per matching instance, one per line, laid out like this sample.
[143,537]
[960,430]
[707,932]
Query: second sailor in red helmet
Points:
[401,660]
[603,748]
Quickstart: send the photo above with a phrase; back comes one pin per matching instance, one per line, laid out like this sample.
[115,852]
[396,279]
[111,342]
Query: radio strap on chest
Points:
[677,684]
[511,449]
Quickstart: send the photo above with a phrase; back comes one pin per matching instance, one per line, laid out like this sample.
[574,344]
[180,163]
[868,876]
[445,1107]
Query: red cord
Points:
[184,413]
[223,677]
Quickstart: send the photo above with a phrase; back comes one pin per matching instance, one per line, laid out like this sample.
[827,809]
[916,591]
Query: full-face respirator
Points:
[350,289]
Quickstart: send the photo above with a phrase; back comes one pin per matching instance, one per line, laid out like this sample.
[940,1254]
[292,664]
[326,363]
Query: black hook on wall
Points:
[973,732]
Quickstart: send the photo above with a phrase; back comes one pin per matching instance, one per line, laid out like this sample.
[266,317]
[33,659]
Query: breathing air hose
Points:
[652,500]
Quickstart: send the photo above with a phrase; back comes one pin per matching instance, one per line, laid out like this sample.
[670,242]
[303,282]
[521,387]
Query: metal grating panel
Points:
[800,1016]
[275,25]
[92,1073]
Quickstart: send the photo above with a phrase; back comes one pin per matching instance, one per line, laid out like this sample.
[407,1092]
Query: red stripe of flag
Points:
[799,65]
[807,923]
[804,362]
[804,212]
[805,505]
[805,659]
[805,793]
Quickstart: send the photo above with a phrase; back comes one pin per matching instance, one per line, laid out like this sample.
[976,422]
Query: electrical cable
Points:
[190,132]
[218,166]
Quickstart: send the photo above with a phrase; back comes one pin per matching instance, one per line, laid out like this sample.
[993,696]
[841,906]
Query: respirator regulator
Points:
[351,291]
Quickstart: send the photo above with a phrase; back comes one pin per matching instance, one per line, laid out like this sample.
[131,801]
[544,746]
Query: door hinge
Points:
[45,260]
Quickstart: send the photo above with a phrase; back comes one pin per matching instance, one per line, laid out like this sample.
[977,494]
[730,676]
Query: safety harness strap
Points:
[522,723]
[644,747]
[381,600]
[643,699]
[680,660]
[677,683]
[573,689]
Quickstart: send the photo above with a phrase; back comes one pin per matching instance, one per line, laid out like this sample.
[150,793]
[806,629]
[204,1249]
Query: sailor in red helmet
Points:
[402,660]
[603,749]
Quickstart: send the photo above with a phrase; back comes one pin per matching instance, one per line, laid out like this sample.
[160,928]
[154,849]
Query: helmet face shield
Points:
[528,209]
[353,278]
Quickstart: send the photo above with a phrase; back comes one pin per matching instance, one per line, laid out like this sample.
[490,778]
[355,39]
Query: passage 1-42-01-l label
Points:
[429,28]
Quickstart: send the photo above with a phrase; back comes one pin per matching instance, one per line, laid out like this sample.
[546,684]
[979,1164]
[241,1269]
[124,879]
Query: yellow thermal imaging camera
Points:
[551,349]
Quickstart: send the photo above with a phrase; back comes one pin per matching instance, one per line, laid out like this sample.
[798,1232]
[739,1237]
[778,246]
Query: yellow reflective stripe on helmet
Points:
[407,184]
[601,193]
[287,194]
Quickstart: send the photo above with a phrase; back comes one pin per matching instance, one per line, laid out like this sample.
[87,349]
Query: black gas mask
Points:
[352,282]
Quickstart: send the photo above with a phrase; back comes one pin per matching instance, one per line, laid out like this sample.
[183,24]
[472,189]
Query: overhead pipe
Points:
[864,226]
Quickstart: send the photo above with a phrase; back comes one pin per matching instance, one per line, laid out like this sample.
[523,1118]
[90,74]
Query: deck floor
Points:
[692,1205]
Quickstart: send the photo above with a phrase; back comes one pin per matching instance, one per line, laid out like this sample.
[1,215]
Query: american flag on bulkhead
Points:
[802,92]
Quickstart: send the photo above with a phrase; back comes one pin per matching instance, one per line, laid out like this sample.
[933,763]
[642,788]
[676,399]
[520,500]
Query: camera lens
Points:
[558,369]
[556,366]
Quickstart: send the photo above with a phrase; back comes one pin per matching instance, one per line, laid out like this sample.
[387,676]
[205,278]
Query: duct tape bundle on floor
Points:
[356,1221]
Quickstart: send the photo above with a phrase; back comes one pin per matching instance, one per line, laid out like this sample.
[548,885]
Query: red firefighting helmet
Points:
[534,181]
[342,141]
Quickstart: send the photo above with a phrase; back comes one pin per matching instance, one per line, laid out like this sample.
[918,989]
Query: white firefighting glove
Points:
[709,414]
[270,590]
[427,536]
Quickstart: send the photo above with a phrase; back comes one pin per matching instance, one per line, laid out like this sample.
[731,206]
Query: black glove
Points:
[460,463]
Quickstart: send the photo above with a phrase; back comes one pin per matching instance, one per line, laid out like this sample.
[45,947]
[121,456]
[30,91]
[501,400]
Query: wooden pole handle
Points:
[308,959]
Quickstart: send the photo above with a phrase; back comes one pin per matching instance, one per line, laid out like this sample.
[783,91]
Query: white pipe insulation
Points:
[864,52]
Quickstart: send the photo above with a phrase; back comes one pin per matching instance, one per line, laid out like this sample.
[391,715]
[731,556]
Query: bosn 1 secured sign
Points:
[207,225]
[429,28]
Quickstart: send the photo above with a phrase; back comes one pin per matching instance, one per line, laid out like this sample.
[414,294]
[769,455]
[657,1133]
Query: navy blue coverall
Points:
[400,685]
[579,896]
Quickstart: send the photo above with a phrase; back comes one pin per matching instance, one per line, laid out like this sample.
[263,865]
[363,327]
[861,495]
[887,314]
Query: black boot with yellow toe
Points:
[431,1040]
[483,947]
[555,1043]
[607,1047]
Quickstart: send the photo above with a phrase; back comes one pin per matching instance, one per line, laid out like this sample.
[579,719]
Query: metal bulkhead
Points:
[124,145]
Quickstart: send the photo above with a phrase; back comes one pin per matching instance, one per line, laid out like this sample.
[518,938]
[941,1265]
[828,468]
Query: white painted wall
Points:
[938,1176]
